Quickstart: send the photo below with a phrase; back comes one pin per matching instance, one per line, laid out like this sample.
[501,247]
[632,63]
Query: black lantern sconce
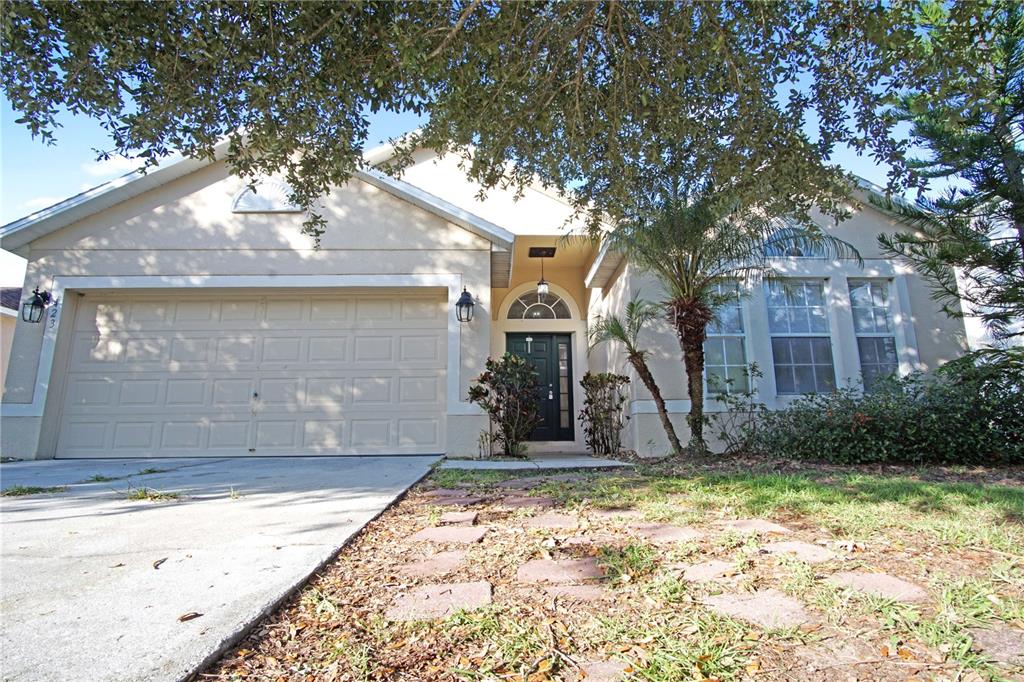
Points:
[464,306]
[32,309]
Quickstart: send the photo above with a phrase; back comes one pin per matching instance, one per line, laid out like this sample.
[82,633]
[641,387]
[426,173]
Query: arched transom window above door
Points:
[533,306]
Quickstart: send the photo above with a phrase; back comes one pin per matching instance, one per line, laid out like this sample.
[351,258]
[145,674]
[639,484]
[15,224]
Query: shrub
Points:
[602,415]
[507,391]
[967,412]
[738,424]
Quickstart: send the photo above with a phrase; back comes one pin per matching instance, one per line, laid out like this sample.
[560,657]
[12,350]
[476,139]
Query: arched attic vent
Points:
[269,196]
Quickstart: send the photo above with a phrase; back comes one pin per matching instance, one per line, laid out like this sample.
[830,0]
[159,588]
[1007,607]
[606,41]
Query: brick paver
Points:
[459,518]
[439,601]
[755,526]
[527,502]
[665,534]
[459,535]
[767,608]
[708,571]
[804,551]
[1001,643]
[559,571]
[880,585]
[551,521]
[582,593]
[434,566]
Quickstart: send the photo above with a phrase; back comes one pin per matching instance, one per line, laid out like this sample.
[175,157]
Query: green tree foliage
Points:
[693,241]
[579,94]
[970,123]
[626,331]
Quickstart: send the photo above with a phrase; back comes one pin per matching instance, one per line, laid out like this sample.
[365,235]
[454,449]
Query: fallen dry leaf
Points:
[906,654]
[188,616]
[156,564]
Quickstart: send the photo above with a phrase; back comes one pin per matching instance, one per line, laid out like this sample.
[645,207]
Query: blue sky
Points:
[34,175]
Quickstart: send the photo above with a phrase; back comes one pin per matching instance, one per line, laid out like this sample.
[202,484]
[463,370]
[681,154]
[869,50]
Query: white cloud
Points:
[112,167]
[39,202]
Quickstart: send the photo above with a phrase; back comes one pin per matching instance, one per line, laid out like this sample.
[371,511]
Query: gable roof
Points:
[10,299]
[16,235]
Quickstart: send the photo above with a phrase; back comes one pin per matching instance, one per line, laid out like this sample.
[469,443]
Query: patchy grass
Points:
[450,478]
[855,505]
[151,494]
[954,533]
[22,490]
[628,563]
[151,470]
[99,478]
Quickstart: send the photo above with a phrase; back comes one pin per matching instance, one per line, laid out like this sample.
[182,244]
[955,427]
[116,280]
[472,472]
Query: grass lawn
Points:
[957,534]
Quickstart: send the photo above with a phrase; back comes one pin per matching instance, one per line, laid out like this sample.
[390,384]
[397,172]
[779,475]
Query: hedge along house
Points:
[190,317]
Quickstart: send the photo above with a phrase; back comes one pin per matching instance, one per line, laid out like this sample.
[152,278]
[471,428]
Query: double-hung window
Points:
[872,323]
[801,343]
[725,359]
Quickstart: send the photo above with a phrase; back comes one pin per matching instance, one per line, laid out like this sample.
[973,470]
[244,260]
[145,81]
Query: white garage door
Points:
[223,373]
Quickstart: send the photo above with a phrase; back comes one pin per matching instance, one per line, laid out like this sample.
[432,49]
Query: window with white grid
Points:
[872,323]
[725,358]
[801,343]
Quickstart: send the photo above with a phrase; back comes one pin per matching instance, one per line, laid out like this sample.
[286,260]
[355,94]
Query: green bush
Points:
[602,415]
[507,391]
[969,412]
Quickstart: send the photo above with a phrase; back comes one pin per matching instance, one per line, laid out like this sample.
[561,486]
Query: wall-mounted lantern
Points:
[32,309]
[464,306]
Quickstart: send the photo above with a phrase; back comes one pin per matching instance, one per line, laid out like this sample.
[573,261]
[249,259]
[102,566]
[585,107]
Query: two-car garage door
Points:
[225,373]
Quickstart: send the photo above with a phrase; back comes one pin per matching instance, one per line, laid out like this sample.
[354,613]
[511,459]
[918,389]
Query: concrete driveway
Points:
[92,584]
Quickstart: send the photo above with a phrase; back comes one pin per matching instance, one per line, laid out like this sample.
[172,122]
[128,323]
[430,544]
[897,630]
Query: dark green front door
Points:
[551,356]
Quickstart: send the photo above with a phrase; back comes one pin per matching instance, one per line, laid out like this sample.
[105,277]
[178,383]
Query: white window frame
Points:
[826,298]
[845,358]
[742,336]
[891,334]
[550,305]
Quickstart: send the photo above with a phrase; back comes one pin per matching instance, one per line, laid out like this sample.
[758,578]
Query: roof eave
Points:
[15,236]
[603,267]
[433,204]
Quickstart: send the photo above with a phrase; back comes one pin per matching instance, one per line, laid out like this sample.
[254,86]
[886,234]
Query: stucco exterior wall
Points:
[935,337]
[187,228]
[534,212]
[7,324]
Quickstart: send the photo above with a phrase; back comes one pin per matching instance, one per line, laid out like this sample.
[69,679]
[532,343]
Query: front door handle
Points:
[551,395]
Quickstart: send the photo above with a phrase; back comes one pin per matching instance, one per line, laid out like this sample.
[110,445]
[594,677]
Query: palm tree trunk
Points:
[691,319]
[693,360]
[640,365]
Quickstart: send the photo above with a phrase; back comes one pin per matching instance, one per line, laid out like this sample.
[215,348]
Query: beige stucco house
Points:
[192,318]
[9,299]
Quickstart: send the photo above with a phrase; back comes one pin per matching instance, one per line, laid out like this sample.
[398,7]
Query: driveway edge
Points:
[240,634]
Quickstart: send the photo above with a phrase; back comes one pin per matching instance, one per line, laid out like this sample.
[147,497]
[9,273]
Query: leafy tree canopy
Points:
[969,128]
[579,95]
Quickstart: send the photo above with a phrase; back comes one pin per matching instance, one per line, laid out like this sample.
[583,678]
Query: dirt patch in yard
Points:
[639,615]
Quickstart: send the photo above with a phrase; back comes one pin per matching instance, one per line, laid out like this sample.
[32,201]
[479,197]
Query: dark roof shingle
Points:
[10,297]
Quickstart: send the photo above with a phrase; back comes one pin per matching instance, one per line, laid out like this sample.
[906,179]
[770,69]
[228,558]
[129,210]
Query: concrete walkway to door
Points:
[94,585]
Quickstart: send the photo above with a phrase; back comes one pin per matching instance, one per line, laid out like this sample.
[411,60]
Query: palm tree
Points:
[627,332]
[691,244]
